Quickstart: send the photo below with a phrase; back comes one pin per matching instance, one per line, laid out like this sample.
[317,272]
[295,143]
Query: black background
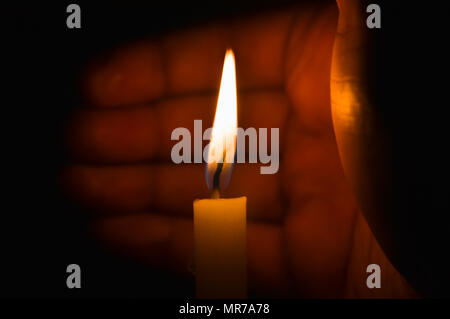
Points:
[41,232]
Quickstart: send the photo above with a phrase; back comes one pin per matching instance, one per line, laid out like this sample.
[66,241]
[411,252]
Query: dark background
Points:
[42,233]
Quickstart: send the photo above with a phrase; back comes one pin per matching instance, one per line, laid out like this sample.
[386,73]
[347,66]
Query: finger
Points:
[134,74]
[191,61]
[168,243]
[168,189]
[131,135]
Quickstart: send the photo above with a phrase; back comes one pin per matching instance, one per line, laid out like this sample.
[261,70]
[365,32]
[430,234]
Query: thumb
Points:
[374,71]
[353,89]
[359,120]
[351,45]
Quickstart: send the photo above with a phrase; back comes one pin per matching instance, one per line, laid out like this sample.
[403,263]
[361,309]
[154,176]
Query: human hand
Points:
[306,236]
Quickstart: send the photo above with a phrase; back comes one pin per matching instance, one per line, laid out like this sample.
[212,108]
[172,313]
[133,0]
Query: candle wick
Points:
[215,194]
[216,177]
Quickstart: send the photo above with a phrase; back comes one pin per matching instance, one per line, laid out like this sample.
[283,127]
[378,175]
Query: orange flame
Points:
[222,147]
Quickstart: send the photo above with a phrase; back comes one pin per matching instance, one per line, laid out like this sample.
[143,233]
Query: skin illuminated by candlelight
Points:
[305,235]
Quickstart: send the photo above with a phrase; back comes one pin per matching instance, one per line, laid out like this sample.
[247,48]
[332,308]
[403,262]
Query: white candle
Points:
[220,223]
[220,247]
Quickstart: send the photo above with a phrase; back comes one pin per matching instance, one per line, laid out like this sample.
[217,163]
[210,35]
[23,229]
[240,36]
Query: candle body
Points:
[220,247]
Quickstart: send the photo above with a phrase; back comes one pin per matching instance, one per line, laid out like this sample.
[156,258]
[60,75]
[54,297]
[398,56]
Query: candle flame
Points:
[222,147]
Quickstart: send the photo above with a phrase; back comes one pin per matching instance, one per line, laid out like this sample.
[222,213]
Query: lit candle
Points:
[220,223]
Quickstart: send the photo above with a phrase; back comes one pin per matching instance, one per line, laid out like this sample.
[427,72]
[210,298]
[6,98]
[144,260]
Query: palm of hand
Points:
[305,234]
